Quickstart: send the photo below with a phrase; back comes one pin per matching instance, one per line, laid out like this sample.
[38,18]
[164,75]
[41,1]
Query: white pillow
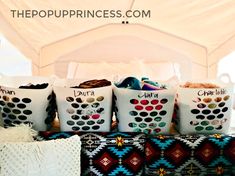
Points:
[19,133]
[59,157]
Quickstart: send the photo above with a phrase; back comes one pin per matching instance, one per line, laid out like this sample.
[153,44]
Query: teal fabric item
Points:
[131,83]
[146,80]
[135,84]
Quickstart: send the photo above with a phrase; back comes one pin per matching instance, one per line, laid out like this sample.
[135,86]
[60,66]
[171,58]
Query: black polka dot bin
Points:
[203,109]
[83,109]
[148,111]
[26,100]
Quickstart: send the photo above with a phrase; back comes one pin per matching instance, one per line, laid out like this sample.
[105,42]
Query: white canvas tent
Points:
[201,32]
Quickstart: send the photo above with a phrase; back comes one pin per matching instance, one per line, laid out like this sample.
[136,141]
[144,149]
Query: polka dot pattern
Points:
[144,102]
[15,110]
[209,113]
[18,110]
[148,115]
[86,113]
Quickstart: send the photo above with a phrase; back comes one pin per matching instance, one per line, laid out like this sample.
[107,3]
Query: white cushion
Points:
[47,158]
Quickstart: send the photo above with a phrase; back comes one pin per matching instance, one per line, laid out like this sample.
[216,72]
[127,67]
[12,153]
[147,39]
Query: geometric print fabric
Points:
[190,155]
[108,154]
[112,154]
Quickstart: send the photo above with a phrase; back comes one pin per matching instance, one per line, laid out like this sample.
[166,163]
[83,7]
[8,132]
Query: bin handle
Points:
[225,75]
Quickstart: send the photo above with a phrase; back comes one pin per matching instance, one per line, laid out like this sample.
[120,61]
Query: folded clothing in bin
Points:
[190,155]
[108,154]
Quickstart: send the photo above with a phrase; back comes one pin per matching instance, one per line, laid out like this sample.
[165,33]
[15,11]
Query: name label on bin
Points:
[148,95]
[211,92]
[78,93]
[5,91]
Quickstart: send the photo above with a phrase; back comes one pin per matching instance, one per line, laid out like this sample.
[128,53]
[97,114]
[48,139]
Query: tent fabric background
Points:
[202,31]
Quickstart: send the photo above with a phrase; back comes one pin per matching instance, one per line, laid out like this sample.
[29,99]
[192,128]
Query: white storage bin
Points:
[203,110]
[144,111]
[83,109]
[26,105]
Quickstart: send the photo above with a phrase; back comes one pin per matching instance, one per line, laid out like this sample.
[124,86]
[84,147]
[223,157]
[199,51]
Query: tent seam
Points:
[76,61]
[131,6]
[143,25]
[17,32]
[215,62]
[230,38]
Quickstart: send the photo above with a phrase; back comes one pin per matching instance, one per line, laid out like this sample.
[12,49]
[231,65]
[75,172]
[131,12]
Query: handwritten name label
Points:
[211,92]
[5,91]
[148,95]
[83,93]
